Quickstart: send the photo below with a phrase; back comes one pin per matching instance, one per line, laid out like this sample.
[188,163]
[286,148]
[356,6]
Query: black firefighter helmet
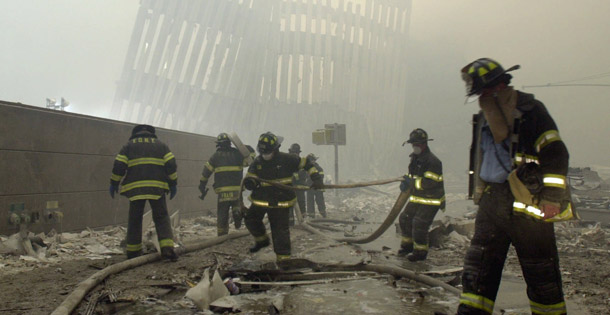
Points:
[418,135]
[294,148]
[140,128]
[223,140]
[267,143]
[483,73]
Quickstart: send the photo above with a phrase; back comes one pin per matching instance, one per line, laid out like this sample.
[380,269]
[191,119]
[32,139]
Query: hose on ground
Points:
[398,205]
[81,290]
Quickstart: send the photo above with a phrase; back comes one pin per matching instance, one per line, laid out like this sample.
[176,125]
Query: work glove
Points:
[317,184]
[113,189]
[203,193]
[251,183]
[406,183]
[549,209]
[172,192]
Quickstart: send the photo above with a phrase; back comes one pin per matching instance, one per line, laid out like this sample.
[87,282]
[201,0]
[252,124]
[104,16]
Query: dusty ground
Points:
[38,288]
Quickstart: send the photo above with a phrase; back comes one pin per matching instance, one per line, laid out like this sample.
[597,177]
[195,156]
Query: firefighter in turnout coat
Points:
[299,178]
[278,167]
[147,169]
[425,178]
[227,165]
[316,196]
[519,166]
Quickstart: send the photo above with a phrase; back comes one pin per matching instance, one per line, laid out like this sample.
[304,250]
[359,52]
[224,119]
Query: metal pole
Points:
[336,141]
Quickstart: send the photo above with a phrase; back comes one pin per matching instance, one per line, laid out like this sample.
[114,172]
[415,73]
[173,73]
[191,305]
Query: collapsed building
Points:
[253,66]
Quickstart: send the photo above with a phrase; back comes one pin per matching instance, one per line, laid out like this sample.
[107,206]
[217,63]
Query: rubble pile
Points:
[53,248]
[573,237]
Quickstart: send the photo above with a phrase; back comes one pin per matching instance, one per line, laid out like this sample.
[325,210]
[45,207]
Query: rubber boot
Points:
[259,245]
[418,255]
[169,253]
[237,218]
[131,254]
[405,249]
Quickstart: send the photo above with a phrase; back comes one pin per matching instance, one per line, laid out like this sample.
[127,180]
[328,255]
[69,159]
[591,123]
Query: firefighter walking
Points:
[275,202]
[519,169]
[147,169]
[227,166]
[425,179]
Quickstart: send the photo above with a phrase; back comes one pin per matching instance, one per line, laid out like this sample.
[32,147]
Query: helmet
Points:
[418,136]
[294,148]
[312,157]
[267,143]
[483,73]
[140,128]
[223,139]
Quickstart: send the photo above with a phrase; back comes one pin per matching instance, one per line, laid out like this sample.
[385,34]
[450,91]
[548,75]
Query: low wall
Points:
[58,162]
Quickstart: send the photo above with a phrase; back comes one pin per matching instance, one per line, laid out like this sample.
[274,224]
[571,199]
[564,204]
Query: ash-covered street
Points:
[38,286]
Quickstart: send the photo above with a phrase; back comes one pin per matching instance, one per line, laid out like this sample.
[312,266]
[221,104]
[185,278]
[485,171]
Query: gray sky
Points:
[552,40]
[76,49]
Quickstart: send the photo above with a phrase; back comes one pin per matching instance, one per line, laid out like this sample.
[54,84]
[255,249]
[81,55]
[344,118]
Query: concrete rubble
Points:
[88,244]
[449,238]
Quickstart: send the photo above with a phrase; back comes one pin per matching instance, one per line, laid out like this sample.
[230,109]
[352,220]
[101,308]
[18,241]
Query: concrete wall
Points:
[51,159]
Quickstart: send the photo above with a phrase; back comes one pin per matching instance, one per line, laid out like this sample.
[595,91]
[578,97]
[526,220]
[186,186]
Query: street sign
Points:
[336,133]
[332,134]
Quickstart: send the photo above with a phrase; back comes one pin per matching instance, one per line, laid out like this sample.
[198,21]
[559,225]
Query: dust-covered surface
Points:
[28,286]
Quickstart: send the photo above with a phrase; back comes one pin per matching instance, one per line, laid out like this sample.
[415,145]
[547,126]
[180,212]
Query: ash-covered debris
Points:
[53,247]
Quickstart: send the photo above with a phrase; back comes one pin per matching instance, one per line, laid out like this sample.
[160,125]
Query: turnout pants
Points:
[222,220]
[134,225]
[301,201]
[318,197]
[414,222]
[280,231]
[496,227]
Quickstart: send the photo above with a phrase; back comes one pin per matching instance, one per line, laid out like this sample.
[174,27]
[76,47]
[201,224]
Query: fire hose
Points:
[394,212]
[72,301]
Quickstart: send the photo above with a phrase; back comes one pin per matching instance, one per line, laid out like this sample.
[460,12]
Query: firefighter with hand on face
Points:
[148,170]
[298,178]
[425,179]
[519,171]
[278,167]
[227,166]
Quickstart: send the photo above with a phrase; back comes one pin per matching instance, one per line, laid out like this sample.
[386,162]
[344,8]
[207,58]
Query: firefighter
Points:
[298,178]
[148,170]
[316,196]
[513,132]
[278,167]
[425,179]
[227,166]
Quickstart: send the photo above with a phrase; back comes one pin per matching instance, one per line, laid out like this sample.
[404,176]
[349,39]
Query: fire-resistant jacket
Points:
[227,166]
[426,170]
[538,141]
[280,170]
[146,166]
[300,178]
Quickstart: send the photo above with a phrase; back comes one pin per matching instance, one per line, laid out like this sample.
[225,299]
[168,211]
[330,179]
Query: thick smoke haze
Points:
[76,49]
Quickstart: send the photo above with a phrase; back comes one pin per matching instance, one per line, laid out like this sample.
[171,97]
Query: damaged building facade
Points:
[251,66]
